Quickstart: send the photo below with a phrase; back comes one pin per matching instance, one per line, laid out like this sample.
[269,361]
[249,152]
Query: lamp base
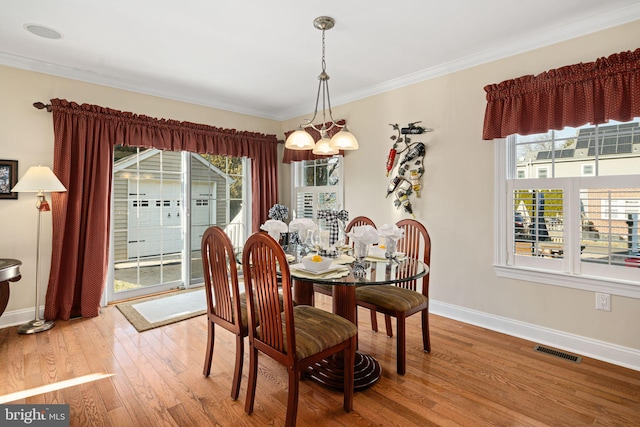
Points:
[35,326]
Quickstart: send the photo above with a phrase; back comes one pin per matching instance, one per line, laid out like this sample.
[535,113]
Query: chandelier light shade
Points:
[324,146]
[300,140]
[38,179]
[342,140]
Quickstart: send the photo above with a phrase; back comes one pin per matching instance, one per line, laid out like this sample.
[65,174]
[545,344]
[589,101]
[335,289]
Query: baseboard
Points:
[588,347]
[18,317]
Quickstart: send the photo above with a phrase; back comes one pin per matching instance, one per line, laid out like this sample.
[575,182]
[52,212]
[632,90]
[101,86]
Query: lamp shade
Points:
[299,140]
[324,148]
[37,179]
[344,140]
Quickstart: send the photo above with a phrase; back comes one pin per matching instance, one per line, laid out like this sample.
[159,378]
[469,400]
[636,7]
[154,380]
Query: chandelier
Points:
[342,140]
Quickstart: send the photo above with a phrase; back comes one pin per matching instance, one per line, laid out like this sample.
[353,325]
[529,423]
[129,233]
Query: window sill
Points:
[586,283]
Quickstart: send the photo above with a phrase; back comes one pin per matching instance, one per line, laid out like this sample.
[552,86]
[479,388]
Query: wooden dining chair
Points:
[299,336]
[357,221]
[226,306]
[406,298]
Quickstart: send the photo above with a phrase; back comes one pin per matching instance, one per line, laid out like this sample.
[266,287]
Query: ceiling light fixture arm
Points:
[323,23]
[343,139]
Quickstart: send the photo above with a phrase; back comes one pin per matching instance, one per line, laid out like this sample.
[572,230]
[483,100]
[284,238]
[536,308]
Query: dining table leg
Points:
[330,372]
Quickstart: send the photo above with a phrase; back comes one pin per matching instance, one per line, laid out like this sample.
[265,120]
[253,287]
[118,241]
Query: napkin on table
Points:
[391,231]
[274,227]
[364,234]
[302,226]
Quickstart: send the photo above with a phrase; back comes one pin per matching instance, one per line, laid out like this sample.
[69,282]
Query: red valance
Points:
[574,95]
[299,155]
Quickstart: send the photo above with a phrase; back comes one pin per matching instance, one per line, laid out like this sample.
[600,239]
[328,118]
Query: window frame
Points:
[564,272]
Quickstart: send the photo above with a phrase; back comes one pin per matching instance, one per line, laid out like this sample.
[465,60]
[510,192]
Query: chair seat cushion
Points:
[390,298]
[317,330]
[243,310]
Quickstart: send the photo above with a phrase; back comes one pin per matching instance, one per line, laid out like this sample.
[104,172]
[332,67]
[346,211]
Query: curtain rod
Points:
[42,106]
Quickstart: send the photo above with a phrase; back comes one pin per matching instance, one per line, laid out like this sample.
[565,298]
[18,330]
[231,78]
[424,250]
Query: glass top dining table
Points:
[376,272]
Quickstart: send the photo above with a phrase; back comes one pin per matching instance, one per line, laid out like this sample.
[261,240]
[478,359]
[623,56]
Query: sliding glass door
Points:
[162,203]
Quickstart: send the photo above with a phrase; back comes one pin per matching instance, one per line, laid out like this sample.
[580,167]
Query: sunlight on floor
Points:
[52,387]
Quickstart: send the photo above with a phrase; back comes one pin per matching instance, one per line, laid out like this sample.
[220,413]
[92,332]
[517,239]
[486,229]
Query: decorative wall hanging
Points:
[408,177]
[8,179]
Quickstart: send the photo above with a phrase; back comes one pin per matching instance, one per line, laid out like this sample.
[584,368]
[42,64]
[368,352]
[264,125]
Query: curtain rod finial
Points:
[40,106]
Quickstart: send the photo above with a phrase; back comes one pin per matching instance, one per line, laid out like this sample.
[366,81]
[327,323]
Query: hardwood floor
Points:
[473,377]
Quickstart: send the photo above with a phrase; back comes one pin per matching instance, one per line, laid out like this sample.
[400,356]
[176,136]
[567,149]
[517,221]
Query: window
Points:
[588,170]
[576,223]
[543,172]
[317,184]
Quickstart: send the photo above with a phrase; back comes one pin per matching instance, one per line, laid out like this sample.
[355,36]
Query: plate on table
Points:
[380,256]
[300,267]
[344,259]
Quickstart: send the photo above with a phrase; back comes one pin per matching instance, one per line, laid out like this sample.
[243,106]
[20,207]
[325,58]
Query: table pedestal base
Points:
[329,372]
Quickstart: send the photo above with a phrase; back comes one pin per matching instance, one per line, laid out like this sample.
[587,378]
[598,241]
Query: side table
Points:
[9,272]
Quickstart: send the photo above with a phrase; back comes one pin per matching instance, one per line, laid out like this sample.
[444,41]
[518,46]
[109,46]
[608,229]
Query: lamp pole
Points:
[37,324]
[38,179]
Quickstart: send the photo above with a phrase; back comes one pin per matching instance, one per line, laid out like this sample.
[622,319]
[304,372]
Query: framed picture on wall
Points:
[8,178]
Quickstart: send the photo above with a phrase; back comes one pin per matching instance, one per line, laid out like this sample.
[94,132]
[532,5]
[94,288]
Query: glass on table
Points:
[390,246]
[323,239]
[360,251]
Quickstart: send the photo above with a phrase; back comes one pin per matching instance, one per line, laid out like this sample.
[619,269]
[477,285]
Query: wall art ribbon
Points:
[408,177]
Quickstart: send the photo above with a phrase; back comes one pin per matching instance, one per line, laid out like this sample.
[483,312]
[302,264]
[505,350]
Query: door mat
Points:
[153,312]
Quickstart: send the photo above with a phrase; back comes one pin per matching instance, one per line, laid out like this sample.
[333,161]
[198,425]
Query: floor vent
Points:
[558,353]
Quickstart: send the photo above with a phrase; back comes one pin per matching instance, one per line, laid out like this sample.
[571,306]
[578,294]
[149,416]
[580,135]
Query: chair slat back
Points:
[262,259]
[416,243]
[356,222]
[220,276]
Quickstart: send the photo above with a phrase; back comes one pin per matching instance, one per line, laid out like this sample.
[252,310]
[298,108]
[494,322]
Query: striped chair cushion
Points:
[390,298]
[317,330]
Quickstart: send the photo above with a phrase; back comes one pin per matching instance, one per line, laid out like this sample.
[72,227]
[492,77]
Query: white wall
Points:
[456,204]
[458,199]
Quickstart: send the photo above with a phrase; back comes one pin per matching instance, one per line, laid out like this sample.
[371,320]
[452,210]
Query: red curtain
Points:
[298,155]
[594,92]
[83,160]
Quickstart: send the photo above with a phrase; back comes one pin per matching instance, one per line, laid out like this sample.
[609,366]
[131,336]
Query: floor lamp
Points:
[38,179]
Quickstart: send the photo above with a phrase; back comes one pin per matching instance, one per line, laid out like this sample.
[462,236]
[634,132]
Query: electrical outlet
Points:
[603,302]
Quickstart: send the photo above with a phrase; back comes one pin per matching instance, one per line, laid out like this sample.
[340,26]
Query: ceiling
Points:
[263,58]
